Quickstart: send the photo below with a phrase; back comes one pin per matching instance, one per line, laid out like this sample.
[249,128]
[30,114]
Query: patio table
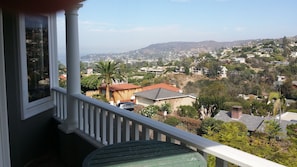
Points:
[148,153]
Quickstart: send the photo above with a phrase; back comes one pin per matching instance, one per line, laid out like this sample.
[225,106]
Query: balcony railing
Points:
[107,124]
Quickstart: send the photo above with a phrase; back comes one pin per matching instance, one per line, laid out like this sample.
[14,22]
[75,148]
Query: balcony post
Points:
[73,70]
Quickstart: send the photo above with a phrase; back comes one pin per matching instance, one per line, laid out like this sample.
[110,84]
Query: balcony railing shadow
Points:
[103,124]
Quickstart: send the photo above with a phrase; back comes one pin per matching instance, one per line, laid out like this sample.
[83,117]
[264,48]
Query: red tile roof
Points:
[117,87]
[162,85]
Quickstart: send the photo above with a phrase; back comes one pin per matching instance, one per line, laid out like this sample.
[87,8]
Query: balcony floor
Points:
[49,160]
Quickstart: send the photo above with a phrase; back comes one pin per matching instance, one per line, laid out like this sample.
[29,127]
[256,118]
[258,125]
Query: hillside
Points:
[187,46]
[173,50]
[155,51]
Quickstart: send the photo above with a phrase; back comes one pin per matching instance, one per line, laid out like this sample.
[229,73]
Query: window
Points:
[36,51]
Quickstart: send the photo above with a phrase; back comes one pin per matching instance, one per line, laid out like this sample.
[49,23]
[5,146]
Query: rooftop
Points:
[159,94]
[252,122]
[162,85]
[289,116]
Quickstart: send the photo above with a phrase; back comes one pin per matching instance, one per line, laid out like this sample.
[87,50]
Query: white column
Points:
[73,69]
[4,139]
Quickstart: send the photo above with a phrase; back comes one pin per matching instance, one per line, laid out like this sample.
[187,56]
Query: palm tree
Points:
[109,72]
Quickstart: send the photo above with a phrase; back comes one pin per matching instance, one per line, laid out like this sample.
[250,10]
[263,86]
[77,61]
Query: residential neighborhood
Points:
[99,83]
[253,85]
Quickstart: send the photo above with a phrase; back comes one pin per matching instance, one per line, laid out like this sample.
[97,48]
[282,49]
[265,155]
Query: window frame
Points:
[4,135]
[29,109]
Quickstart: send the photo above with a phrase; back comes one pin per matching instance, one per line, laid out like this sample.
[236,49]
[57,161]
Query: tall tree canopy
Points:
[109,73]
[211,98]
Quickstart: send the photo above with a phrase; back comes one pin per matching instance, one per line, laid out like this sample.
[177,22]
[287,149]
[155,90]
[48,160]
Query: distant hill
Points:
[187,46]
[173,49]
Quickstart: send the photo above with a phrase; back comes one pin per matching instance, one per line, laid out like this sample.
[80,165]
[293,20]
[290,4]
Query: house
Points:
[160,96]
[156,70]
[223,72]
[288,116]
[239,59]
[38,119]
[284,120]
[90,71]
[281,78]
[250,55]
[293,54]
[196,70]
[121,92]
[252,122]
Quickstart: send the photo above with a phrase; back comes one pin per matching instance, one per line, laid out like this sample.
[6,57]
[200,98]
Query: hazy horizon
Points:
[117,26]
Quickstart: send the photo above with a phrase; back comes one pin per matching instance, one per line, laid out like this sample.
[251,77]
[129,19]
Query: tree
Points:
[62,68]
[187,111]
[89,83]
[210,124]
[214,68]
[209,105]
[272,129]
[260,108]
[160,61]
[286,48]
[287,89]
[109,72]
[83,67]
[166,107]
[233,134]
[292,132]
[212,97]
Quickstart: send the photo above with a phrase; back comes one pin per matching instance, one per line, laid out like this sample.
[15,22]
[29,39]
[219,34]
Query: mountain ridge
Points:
[158,50]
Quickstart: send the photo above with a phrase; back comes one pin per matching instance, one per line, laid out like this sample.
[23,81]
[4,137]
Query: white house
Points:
[239,59]
[224,71]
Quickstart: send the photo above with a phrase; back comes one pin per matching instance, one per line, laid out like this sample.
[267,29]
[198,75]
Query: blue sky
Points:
[112,26]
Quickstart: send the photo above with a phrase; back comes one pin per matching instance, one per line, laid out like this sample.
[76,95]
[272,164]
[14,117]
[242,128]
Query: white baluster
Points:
[97,120]
[127,129]
[110,120]
[80,117]
[119,128]
[86,118]
[136,131]
[92,131]
[104,126]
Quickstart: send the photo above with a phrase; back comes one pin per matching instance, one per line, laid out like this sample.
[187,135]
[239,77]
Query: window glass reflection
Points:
[37,51]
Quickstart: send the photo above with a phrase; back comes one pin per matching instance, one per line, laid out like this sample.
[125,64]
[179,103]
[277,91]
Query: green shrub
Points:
[229,104]
[187,111]
[292,110]
[166,107]
[173,121]
[149,111]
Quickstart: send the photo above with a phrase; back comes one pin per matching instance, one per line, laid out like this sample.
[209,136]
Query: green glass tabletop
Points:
[148,153]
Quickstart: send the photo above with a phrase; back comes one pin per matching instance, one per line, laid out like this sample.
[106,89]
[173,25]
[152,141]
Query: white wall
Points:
[143,101]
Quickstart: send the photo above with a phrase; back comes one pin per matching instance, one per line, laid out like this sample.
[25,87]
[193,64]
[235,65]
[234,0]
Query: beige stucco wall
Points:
[124,94]
[90,93]
[175,103]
